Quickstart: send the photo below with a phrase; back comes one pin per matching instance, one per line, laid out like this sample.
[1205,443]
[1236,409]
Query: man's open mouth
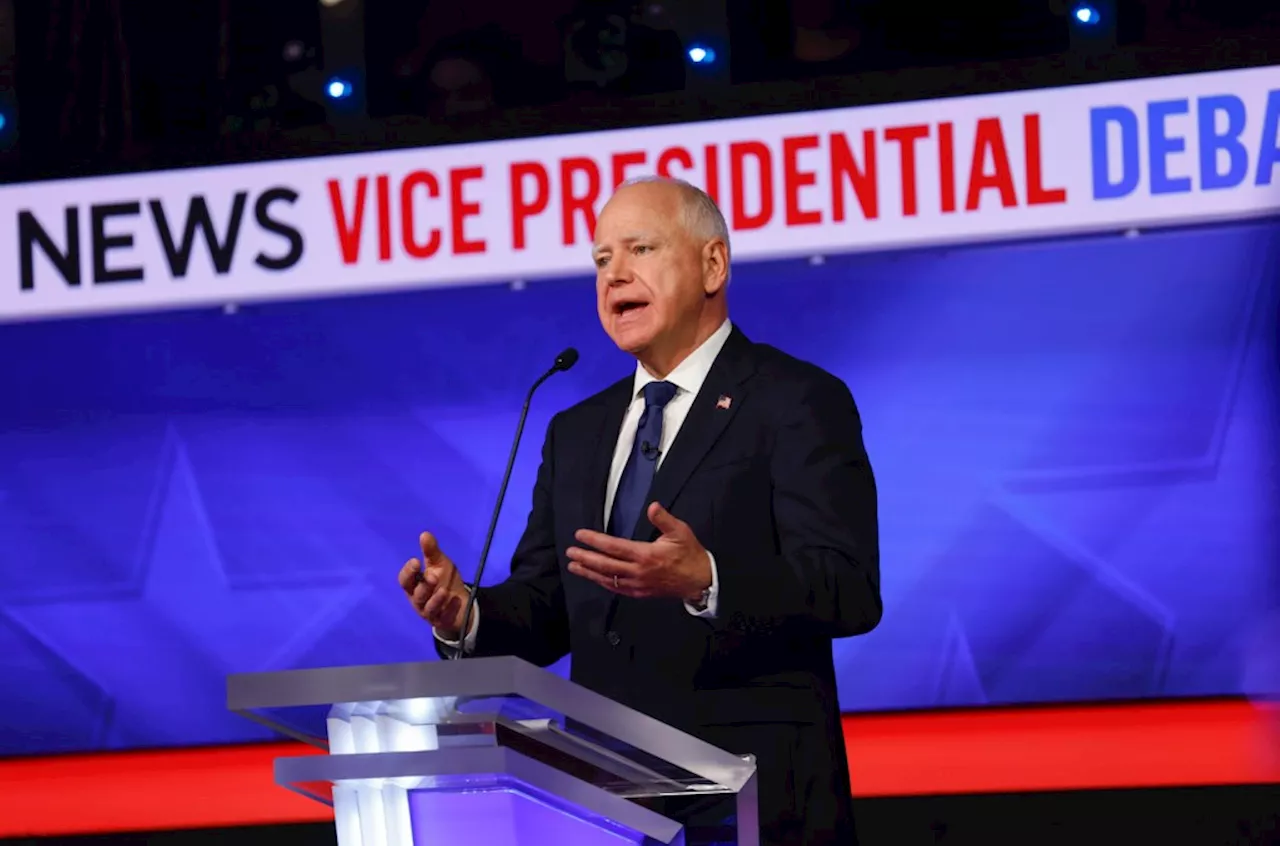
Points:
[628,306]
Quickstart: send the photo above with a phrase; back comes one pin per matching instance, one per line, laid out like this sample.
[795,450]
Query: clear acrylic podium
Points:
[489,752]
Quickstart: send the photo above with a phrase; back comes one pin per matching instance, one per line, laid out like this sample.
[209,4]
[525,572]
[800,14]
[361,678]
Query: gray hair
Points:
[700,215]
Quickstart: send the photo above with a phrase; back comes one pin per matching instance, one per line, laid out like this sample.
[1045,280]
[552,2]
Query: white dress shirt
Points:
[688,377]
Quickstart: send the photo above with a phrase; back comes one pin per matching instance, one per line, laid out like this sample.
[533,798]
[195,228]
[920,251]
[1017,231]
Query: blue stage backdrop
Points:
[1075,441]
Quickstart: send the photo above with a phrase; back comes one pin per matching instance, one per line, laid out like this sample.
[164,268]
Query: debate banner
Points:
[1089,158]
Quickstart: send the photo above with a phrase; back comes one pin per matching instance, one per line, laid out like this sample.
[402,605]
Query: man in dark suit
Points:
[700,531]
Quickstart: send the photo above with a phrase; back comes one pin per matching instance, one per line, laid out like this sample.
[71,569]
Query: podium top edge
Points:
[248,693]
[375,682]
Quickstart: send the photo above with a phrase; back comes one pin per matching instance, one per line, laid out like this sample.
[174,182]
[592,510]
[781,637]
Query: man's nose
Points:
[617,272]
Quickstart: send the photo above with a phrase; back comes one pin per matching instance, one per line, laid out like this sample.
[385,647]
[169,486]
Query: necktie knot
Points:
[658,394]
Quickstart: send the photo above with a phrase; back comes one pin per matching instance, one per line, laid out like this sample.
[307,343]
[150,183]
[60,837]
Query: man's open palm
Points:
[675,566]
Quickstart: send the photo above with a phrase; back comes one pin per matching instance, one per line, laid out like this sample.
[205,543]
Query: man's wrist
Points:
[699,597]
[455,631]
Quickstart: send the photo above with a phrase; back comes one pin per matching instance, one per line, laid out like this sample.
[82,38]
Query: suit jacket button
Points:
[613,638]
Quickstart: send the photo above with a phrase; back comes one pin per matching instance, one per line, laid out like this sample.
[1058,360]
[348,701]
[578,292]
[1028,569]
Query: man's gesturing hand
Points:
[439,596]
[674,566]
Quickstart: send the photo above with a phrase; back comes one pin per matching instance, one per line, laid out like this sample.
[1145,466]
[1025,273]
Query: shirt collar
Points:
[692,372]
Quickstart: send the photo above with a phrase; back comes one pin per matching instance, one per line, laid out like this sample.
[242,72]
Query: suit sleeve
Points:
[525,615]
[823,577]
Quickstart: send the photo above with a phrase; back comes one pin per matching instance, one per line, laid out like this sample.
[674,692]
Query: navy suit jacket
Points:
[779,487]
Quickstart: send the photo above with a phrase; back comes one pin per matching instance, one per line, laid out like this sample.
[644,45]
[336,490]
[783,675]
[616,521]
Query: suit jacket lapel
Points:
[708,418]
[613,410]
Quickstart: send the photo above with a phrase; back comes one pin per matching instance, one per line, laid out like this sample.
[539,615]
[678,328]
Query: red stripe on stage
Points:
[1160,744]
[1002,750]
[150,791]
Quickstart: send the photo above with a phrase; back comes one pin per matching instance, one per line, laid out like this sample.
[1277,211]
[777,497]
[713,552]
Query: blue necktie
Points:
[637,476]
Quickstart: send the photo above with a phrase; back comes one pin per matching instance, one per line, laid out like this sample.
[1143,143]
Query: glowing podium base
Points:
[492,751]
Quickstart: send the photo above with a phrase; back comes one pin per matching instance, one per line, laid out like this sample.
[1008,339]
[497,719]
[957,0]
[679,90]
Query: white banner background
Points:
[1180,149]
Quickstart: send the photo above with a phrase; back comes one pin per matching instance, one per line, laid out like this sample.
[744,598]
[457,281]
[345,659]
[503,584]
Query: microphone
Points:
[649,451]
[567,359]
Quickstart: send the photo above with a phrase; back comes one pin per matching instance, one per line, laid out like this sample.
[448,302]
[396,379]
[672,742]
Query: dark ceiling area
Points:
[95,86]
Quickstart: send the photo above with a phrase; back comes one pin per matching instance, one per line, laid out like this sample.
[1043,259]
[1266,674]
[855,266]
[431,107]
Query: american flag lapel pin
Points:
[724,402]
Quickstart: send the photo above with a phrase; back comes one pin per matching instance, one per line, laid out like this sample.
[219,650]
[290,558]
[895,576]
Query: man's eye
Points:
[641,249]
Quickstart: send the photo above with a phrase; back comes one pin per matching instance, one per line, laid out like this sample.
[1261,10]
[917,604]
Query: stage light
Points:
[1086,15]
[701,55]
[4,121]
[1092,27]
[338,88]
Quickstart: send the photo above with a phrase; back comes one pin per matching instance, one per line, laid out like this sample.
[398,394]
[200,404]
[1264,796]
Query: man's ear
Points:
[715,267]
